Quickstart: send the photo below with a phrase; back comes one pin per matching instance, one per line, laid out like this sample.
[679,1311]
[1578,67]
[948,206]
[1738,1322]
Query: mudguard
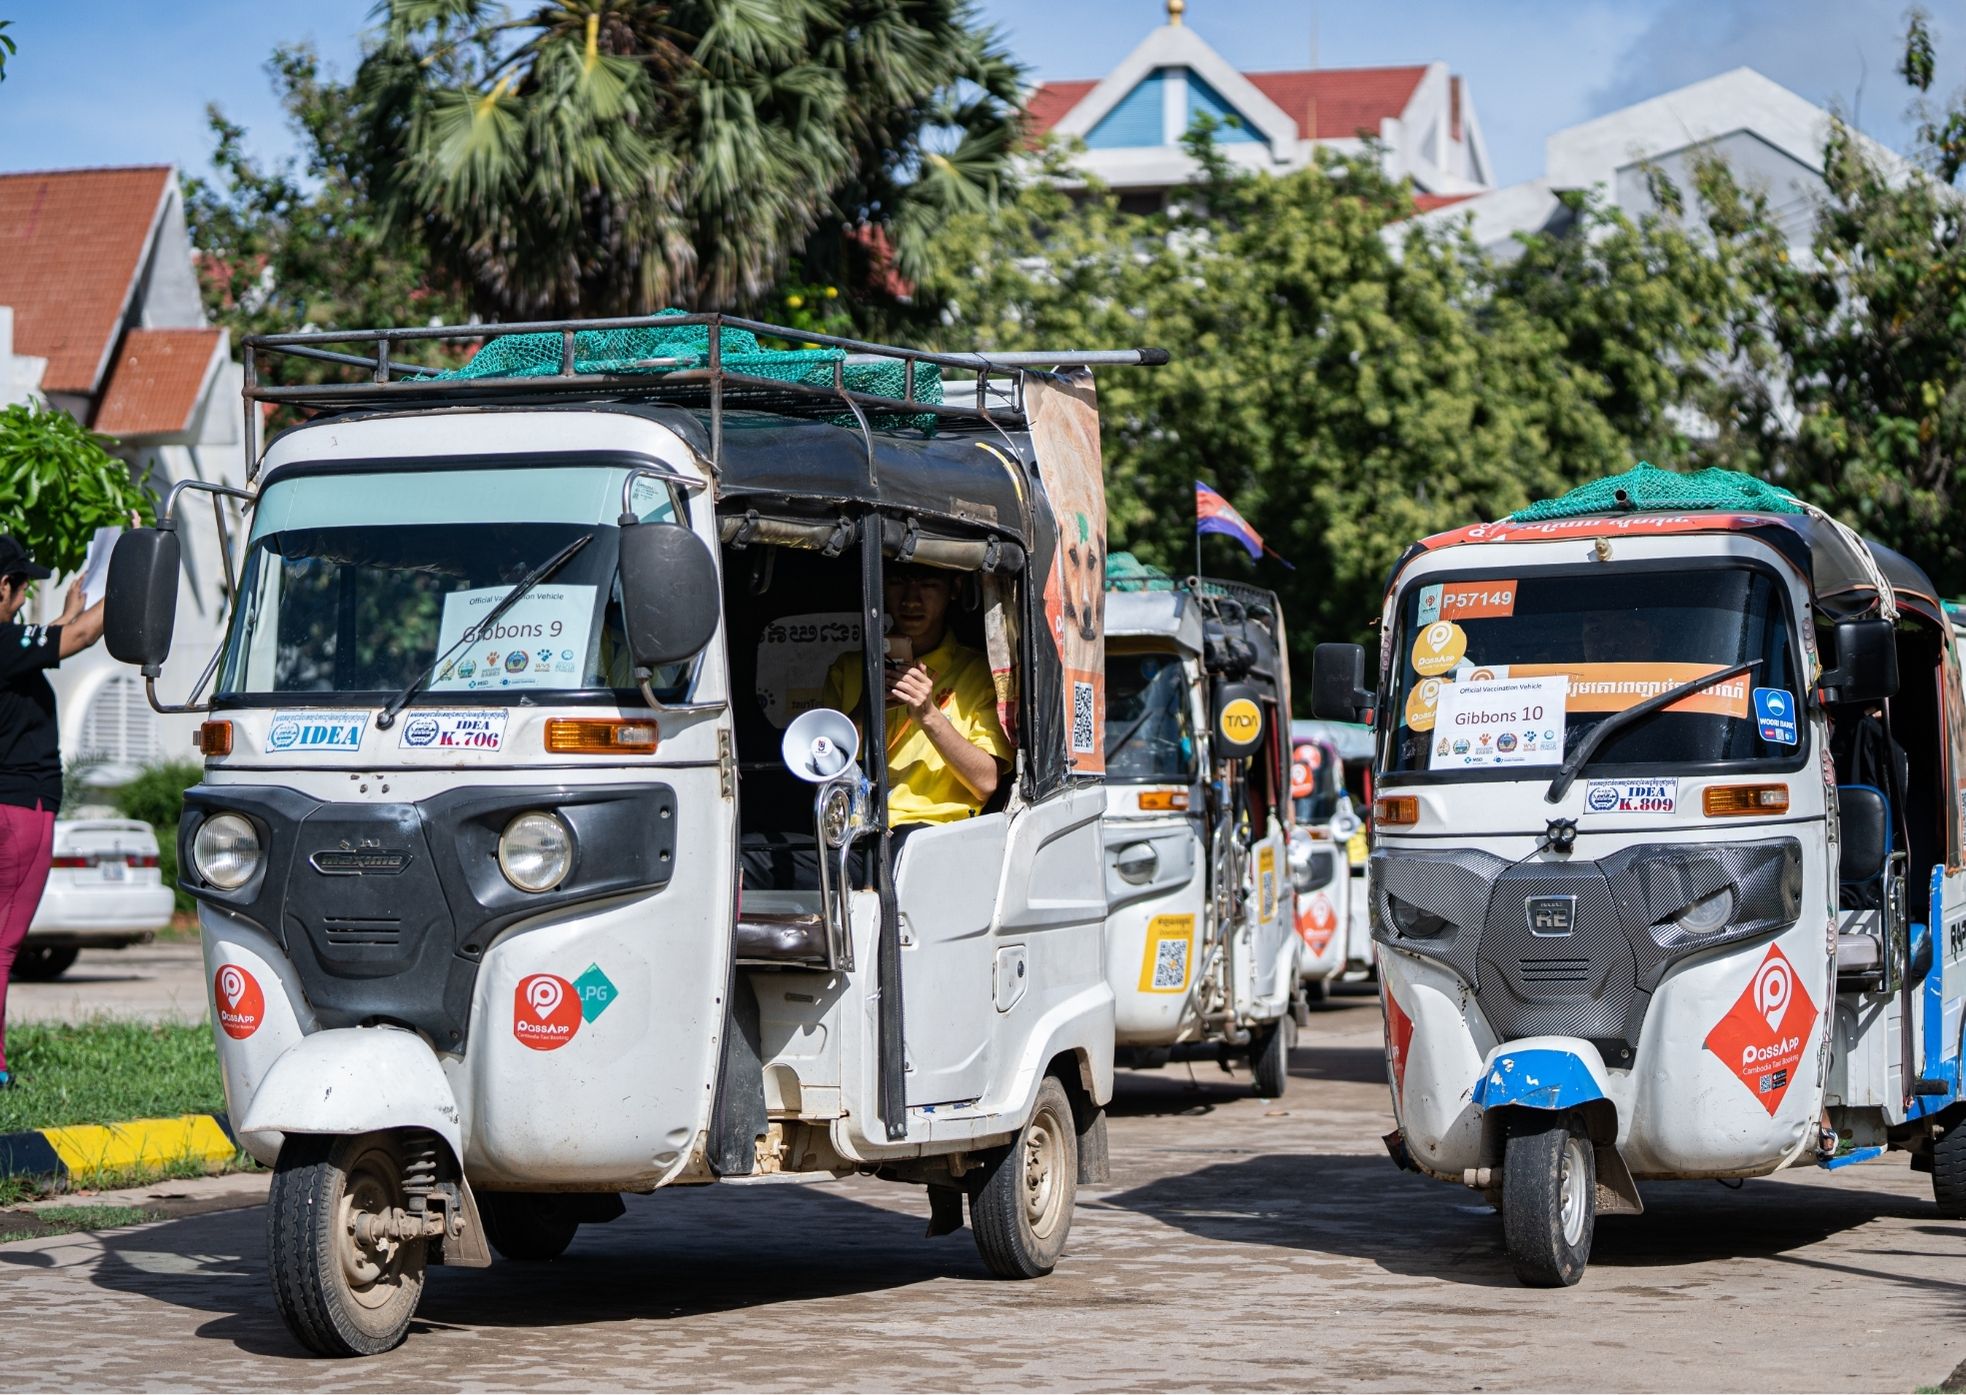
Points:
[351,1080]
[1540,1073]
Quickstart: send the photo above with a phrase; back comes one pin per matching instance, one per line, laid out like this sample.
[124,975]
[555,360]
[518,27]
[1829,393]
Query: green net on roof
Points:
[1125,572]
[657,350]
[1647,489]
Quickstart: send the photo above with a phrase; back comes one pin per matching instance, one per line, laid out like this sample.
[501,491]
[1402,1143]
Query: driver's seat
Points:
[1864,840]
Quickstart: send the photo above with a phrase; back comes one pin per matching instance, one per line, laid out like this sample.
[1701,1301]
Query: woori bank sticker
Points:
[1504,721]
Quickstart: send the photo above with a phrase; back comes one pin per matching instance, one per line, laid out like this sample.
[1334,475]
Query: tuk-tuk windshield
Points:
[1508,672]
[355,582]
[1150,738]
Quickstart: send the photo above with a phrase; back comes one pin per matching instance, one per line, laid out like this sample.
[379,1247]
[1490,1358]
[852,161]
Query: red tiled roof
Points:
[1340,102]
[156,381]
[71,243]
[1345,101]
[1049,103]
[1427,203]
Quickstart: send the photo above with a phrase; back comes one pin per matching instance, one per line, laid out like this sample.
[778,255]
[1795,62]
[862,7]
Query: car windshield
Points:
[1150,739]
[355,582]
[1510,672]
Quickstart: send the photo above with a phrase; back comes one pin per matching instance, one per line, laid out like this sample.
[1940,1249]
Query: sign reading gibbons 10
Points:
[1238,721]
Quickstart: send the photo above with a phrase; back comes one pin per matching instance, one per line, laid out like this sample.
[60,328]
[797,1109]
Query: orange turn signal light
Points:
[595,736]
[1396,811]
[1163,801]
[1721,801]
[213,738]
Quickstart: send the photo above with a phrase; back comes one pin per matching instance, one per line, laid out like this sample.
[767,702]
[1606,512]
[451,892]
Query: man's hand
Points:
[913,687]
[71,605]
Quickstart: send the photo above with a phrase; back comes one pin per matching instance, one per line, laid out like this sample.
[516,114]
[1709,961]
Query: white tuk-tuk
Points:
[526,663]
[1200,949]
[1327,859]
[1668,876]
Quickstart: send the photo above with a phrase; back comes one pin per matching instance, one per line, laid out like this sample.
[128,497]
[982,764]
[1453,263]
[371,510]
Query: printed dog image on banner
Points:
[1064,417]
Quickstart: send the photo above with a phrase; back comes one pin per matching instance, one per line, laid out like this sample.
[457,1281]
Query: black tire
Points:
[337,1296]
[1549,1200]
[1023,1211]
[1949,1172]
[1316,990]
[40,963]
[1269,1059]
[527,1227]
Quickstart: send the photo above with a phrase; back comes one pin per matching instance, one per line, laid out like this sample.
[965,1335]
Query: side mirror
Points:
[140,602]
[671,595]
[1338,691]
[1863,833]
[1236,712]
[1866,661]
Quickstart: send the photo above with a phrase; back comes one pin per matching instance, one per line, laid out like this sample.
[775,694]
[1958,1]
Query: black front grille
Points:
[363,930]
[1546,971]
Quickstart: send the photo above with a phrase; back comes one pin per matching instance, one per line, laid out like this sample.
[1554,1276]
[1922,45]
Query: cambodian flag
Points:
[1214,514]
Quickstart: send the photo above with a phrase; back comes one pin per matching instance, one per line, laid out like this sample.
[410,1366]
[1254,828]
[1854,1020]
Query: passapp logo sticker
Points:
[546,1012]
[1774,715]
[241,1005]
[1438,648]
[471,729]
[1763,1036]
[1317,922]
[1632,796]
[316,731]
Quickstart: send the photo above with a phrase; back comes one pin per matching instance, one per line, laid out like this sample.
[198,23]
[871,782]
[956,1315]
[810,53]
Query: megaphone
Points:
[819,745]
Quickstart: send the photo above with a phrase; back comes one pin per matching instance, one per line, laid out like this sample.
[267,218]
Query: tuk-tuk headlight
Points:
[535,852]
[1137,863]
[226,851]
[1410,919]
[1708,914]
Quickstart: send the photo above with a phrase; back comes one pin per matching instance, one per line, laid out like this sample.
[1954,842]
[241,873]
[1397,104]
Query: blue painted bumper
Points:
[1536,1079]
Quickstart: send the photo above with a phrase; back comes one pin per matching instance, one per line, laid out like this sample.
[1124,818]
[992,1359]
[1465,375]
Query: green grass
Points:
[107,1072]
[65,1220]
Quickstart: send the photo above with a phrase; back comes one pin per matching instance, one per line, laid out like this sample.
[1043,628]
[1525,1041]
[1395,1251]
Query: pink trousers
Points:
[27,841]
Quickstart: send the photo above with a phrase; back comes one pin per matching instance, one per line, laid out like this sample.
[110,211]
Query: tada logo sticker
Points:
[545,1012]
[241,1005]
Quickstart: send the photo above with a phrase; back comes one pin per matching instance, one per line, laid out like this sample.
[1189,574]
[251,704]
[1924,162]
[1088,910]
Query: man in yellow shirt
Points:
[946,750]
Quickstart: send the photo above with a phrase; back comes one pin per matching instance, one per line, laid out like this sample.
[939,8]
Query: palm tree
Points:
[612,156]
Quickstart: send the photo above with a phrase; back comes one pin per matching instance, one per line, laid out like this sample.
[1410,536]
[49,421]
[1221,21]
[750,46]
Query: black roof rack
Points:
[997,401]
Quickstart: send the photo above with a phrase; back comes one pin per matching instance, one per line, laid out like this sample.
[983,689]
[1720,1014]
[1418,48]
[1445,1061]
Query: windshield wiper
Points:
[387,717]
[1579,758]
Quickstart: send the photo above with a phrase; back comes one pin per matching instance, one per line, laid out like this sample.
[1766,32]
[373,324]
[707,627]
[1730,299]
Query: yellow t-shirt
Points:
[922,788]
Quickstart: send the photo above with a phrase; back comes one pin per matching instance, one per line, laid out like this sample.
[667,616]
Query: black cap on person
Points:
[14,560]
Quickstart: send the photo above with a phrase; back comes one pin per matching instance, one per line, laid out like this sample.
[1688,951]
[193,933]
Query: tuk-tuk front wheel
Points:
[1023,1211]
[343,1285]
[1549,1199]
[1269,1058]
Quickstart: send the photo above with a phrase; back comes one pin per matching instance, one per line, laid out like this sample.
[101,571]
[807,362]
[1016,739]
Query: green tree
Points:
[600,157]
[58,485]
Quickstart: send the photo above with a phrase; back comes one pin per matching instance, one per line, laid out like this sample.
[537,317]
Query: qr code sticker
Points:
[1170,965]
[1081,718]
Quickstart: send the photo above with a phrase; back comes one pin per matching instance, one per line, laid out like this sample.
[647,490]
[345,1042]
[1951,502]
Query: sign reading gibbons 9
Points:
[1238,721]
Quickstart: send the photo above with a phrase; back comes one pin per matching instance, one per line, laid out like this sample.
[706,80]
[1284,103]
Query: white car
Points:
[105,891]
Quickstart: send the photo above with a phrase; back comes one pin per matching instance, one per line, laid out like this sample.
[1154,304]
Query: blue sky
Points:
[127,81]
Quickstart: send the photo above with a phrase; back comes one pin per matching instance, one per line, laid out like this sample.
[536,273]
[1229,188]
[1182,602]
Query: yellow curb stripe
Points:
[85,1148]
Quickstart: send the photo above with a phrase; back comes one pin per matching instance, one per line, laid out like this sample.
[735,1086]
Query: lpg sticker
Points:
[1438,648]
[1774,715]
[1632,796]
[241,1004]
[1761,1039]
[316,731]
[474,729]
[546,1012]
[1164,967]
[596,991]
[1429,609]
[1266,881]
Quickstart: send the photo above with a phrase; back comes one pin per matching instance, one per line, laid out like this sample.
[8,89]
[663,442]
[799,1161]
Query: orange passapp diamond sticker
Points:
[1763,1036]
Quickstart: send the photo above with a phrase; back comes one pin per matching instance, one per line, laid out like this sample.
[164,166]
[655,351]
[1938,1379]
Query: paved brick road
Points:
[1238,1246]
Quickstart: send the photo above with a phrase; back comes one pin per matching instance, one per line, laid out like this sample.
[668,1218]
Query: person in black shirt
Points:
[30,750]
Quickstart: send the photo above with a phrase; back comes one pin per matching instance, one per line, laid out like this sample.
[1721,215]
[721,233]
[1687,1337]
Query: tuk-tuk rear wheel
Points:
[339,1293]
[1949,1172]
[1023,1211]
[1549,1199]
[1269,1058]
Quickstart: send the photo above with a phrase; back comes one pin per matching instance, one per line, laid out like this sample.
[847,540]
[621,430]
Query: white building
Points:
[100,315]
[1133,118]
[1771,138]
